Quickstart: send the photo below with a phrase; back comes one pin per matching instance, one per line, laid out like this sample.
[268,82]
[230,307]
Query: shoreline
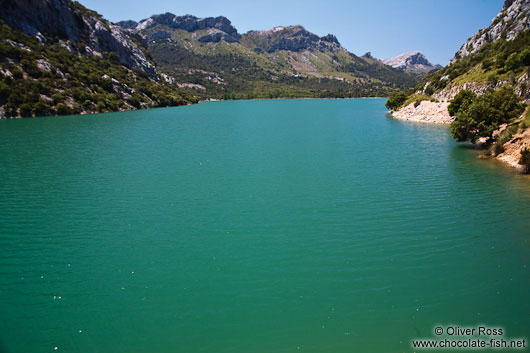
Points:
[283,98]
[3,117]
[436,113]
[426,112]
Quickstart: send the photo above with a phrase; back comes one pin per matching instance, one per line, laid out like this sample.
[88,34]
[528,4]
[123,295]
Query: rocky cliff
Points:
[73,24]
[413,61]
[292,38]
[219,28]
[513,19]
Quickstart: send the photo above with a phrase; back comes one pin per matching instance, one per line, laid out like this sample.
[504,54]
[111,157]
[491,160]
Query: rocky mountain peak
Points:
[293,38]
[219,28]
[513,18]
[414,61]
[367,55]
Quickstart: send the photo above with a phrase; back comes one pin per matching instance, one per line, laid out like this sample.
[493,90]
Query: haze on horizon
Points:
[385,28]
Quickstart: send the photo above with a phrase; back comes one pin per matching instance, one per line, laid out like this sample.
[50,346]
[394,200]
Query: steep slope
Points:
[511,20]
[494,56]
[57,57]
[209,57]
[413,61]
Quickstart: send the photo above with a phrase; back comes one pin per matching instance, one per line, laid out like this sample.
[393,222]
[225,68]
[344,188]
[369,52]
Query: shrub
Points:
[17,74]
[526,119]
[58,98]
[525,57]
[26,110]
[429,90]
[512,62]
[504,137]
[43,109]
[525,159]
[395,100]
[4,90]
[63,109]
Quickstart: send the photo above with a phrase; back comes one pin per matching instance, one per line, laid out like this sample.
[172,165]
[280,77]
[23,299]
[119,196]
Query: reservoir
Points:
[254,226]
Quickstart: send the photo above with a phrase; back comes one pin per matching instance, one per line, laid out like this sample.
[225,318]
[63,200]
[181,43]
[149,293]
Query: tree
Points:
[395,100]
[484,114]
[463,99]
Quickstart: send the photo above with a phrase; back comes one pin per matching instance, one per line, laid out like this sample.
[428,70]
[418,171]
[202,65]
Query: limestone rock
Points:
[413,61]
[70,22]
[513,18]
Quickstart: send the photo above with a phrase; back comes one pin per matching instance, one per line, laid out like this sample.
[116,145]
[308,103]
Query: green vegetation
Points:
[236,71]
[417,99]
[462,100]
[525,159]
[525,123]
[51,80]
[477,117]
[396,100]
[505,136]
[401,99]
[500,61]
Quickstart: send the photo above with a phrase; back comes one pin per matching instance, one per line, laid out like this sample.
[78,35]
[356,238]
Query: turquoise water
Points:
[253,226]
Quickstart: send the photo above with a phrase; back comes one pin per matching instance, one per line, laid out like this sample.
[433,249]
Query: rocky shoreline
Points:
[425,112]
[512,149]
[437,113]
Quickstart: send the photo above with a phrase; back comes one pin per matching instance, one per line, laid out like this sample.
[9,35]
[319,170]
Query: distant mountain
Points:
[413,61]
[57,57]
[209,57]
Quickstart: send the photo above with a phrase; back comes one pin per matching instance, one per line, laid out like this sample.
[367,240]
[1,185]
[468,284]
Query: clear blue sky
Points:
[384,27]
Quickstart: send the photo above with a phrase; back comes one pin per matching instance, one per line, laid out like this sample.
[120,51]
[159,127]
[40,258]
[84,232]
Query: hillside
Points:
[493,62]
[210,58]
[57,57]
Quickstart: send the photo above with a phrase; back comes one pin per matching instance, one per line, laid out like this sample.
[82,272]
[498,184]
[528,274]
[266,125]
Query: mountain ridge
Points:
[212,59]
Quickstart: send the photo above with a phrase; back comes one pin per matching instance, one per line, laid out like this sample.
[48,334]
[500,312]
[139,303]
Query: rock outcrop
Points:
[71,22]
[220,28]
[293,38]
[413,61]
[511,20]
[425,112]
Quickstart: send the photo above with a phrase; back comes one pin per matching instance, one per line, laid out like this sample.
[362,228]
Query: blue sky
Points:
[384,27]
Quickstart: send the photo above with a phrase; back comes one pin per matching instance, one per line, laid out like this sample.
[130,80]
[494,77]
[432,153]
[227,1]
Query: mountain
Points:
[57,57]
[513,19]
[413,61]
[493,57]
[209,57]
[487,79]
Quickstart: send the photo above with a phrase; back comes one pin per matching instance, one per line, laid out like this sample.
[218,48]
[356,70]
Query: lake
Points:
[253,226]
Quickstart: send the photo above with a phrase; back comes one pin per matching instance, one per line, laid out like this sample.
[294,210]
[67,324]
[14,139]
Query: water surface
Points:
[253,226]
